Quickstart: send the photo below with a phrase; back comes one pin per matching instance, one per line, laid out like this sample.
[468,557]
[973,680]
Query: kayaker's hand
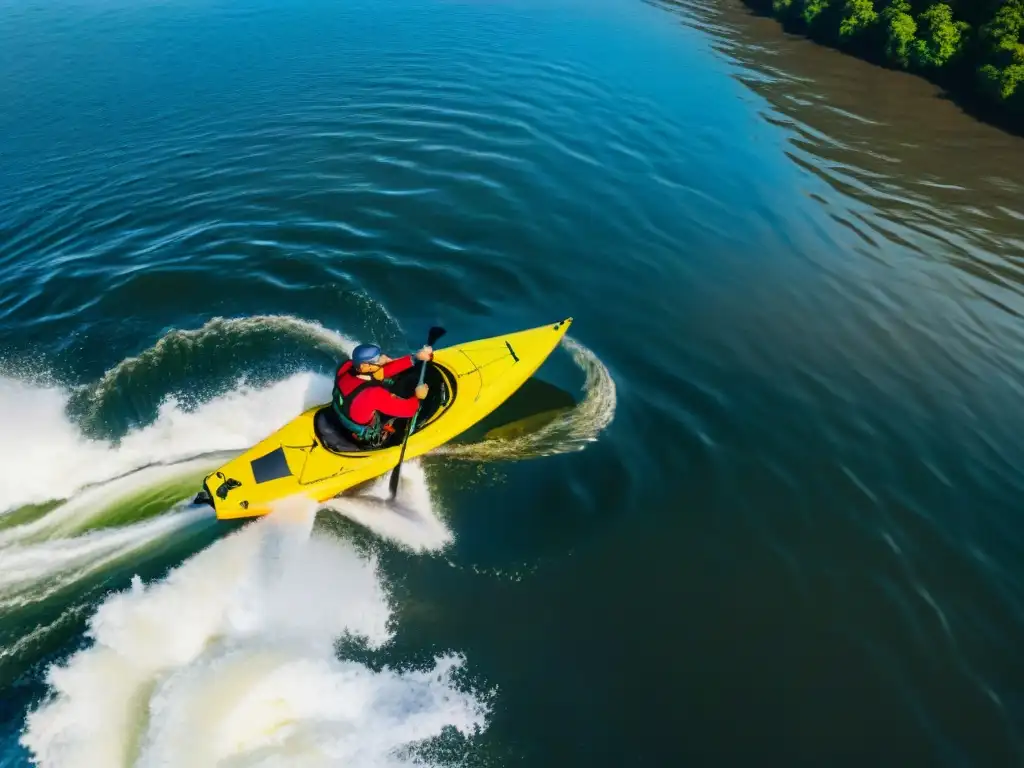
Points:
[425,354]
[421,391]
[383,360]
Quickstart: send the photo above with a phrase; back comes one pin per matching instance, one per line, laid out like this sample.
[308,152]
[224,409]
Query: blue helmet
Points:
[365,353]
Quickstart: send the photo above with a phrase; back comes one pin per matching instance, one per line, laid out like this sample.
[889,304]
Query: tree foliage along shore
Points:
[975,47]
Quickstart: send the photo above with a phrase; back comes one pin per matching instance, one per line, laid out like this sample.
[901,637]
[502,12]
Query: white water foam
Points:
[230,661]
[47,457]
[34,572]
[56,549]
[410,521]
[88,506]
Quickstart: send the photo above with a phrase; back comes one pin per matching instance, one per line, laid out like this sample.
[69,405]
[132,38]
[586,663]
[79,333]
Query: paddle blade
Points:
[393,483]
[436,332]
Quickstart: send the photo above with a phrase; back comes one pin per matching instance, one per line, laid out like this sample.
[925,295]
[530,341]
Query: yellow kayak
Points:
[310,457]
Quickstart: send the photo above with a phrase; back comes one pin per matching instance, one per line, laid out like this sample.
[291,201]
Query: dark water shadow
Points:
[530,407]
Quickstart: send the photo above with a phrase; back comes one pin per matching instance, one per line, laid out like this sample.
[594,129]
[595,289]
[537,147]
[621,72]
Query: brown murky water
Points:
[933,180]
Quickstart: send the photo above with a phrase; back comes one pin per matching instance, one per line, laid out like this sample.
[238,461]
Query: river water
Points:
[763,506]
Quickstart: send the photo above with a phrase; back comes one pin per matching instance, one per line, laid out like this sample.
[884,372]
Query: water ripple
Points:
[810,303]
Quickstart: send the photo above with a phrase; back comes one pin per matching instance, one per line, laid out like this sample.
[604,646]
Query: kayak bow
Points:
[309,457]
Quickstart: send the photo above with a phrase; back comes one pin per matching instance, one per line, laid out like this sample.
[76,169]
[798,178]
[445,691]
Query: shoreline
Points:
[979,67]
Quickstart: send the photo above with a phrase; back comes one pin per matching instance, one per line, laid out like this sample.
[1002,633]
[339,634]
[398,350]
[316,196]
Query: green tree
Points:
[1008,23]
[942,39]
[901,29]
[1004,82]
[858,15]
[813,9]
[942,36]
[1003,75]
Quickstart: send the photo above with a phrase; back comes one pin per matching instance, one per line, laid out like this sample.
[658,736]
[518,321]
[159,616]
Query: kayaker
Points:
[362,400]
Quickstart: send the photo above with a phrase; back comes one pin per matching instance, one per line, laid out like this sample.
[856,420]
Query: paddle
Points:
[433,335]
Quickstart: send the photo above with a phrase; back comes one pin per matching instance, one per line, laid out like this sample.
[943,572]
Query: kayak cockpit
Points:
[332,434]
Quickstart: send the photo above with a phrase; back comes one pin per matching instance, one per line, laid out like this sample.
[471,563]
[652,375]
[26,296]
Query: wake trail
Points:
[89,487]
[231,658]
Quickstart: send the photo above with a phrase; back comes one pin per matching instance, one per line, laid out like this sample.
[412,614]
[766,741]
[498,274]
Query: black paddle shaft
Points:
[433,335]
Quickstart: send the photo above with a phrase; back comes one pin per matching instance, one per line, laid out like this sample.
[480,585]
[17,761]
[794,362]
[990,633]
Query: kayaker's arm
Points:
[395,367]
